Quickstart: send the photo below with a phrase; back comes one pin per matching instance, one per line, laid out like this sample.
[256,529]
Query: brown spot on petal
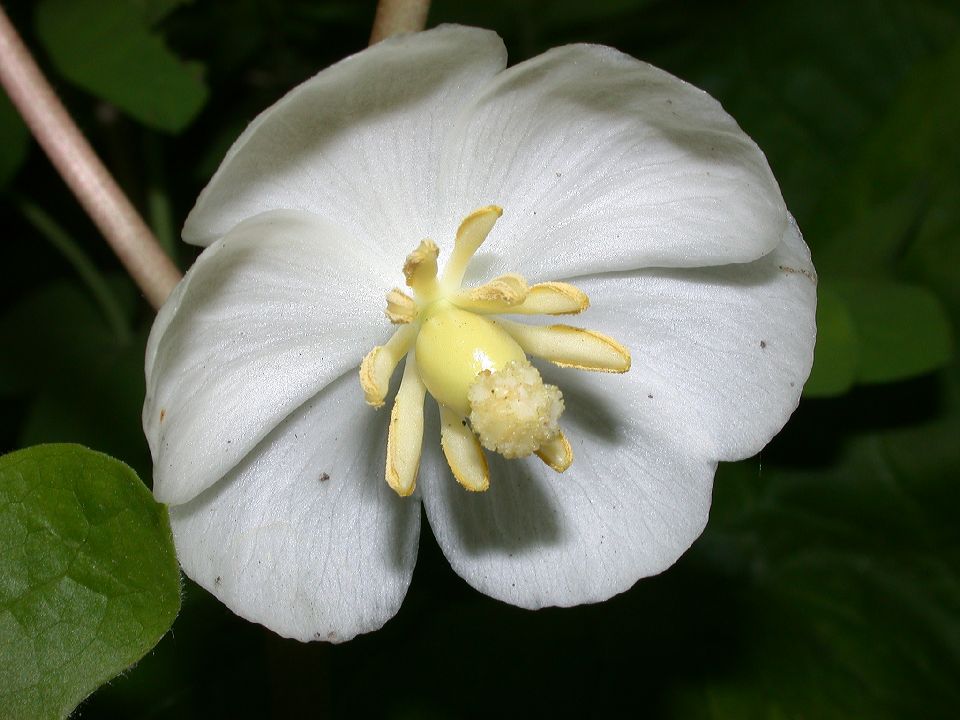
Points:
[799,271]
[163,414]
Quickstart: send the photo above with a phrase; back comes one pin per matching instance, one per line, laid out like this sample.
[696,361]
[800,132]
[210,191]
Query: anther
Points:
[470,236]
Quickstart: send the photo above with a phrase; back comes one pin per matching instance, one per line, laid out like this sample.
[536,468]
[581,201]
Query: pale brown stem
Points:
[398,16]
[78,164]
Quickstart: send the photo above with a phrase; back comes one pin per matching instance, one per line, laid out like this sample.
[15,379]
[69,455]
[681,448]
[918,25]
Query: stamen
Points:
[477,367]
[556,453]
[378,366]
[549,298]
[405,437]
[401,308]
[499,295]
[470,236]
[568,346]
[553,298]
[420,269]
[463,451]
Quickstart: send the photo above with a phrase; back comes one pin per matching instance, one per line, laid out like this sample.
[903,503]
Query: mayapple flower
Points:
[400,231]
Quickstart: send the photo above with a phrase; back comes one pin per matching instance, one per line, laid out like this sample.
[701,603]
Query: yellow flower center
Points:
[454,346]
[474,363]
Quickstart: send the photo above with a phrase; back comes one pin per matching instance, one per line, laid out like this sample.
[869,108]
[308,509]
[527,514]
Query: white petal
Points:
[304,536]
[358,144]
[602,162]
[628,507]
[645,444]
[264,319]
[723,351]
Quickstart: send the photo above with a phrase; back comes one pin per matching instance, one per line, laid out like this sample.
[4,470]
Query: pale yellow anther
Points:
[470,236]
[568,346]
[497,296]
[556,453]
[553,298]
[463,451]
[401,308]
[549,298]
[420,269]
[405,437]
[378,366]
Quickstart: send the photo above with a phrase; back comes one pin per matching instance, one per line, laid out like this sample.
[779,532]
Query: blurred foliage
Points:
[828,581]
[109,49]
[90,577]
[15,138]
[875,331]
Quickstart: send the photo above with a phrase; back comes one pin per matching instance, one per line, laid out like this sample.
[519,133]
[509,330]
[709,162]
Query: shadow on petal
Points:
[519,512]
[588,409]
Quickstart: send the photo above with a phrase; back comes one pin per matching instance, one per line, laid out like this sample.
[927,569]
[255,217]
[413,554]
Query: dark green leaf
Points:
[56,330]
[890,187]
[82,382]
[110,50]
[873,331]
[89,576]
[903,330]
[153,11]
[836,356]
[14,139]
[934,257]
[854,582]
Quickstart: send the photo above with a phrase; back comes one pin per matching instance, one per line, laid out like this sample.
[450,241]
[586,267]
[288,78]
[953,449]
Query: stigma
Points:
[457,347]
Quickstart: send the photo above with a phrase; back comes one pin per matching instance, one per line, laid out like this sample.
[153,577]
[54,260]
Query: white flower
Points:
[611,174]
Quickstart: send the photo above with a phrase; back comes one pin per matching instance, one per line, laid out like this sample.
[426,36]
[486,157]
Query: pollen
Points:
[475,364]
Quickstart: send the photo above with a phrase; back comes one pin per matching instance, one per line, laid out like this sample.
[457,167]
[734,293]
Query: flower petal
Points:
[358,144]
[628,507]
[304,536]
[723,352]
[264,319]
[602,162]
[645,444]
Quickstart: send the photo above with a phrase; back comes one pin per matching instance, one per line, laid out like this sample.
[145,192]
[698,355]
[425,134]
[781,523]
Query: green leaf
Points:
[56,330]
[934,257]
[890,188]
[110,50]
[850,575]
[154,11]
[875,331]
[836,356]
[903,329]
[14,139]
[89,576]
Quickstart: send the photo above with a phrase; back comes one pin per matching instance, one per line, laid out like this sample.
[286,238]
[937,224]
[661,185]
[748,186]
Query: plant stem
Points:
[81,169]
[398,16]
[84,267]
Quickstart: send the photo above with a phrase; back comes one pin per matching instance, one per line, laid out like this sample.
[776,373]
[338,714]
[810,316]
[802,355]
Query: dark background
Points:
[826,584]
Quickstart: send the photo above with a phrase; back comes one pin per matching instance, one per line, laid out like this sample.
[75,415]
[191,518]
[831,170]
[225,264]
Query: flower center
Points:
[454,347]
[474,363]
